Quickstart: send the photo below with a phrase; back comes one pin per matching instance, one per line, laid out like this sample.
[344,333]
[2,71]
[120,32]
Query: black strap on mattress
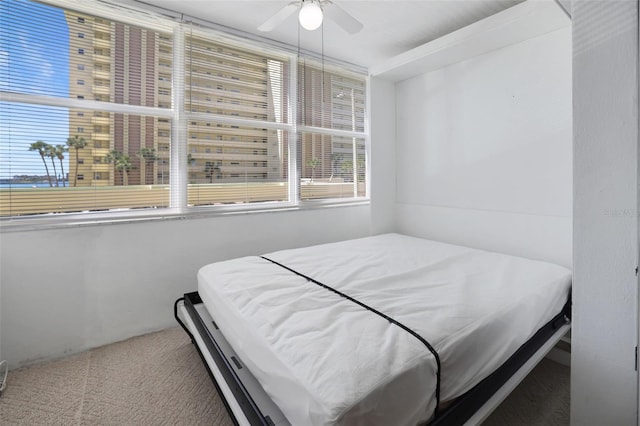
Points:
[388,318]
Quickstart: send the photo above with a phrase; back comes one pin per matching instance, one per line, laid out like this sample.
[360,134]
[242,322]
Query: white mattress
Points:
[325,360]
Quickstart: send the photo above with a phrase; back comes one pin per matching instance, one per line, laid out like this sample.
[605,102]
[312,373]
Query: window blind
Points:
[92,155]
[329,98]
[233,96]
[331,113]
[110,109]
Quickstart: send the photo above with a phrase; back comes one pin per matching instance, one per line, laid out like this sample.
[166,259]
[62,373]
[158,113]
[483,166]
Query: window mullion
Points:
[355,144]
[179,164]
[89,105]
[294,137]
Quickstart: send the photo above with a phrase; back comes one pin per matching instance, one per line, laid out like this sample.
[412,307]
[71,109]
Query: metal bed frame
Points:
[248,404]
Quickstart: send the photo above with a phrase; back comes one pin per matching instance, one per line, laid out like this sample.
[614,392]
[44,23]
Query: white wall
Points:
[67,290]
[604,336]
[484,151]
[382,110]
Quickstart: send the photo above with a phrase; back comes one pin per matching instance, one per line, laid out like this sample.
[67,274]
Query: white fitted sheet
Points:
[325,360]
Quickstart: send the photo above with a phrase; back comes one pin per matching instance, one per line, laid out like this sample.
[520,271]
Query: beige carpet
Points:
[542,399]
[159,379]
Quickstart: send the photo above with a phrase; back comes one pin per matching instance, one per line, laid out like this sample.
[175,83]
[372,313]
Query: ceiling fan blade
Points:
[342,18]
[279,17]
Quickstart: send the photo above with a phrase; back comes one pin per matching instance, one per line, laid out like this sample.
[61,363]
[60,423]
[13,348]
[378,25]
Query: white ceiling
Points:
[391,27]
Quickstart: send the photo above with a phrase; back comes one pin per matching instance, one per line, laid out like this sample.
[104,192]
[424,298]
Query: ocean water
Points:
[26,185]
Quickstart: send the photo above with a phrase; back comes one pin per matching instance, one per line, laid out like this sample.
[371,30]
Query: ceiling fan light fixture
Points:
[310,15]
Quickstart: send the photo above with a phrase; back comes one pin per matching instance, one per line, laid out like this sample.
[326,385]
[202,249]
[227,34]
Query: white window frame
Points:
[179,117]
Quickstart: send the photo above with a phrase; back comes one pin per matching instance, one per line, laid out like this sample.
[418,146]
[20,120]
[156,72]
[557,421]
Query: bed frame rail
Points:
[464,407]
[470,408]
[223,362]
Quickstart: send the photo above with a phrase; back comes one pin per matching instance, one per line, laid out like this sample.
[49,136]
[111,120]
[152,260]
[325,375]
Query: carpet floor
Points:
[159,379]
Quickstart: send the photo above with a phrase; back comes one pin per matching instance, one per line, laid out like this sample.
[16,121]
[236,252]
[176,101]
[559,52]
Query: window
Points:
[336,163]
[245,84]
[49,145]
[240,118]
[332,165]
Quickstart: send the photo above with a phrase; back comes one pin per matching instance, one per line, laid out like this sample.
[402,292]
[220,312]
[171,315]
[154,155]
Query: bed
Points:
[381,330]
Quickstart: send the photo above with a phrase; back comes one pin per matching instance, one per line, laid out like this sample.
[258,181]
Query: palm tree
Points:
[335,160]
[76,142]
[361,169]
[41,147]
[59,151]
[347,168]
[313,163]
[112,158]
[148,155]
[121,163]
[210,169]
[51,153]
[124,165]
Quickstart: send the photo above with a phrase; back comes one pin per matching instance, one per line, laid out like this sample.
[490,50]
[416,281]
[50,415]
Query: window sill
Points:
[72,220]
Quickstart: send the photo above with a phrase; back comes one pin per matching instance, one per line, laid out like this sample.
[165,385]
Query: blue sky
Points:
[34,47]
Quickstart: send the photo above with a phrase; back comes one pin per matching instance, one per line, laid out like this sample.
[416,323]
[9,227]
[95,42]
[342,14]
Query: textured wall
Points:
[67,290]
[605,95]
[484,150]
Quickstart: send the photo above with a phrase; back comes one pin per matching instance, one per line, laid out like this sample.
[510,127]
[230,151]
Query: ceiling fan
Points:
[310,15]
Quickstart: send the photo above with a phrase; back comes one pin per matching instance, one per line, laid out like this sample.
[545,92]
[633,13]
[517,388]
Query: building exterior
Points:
[232,82]
[115,62]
